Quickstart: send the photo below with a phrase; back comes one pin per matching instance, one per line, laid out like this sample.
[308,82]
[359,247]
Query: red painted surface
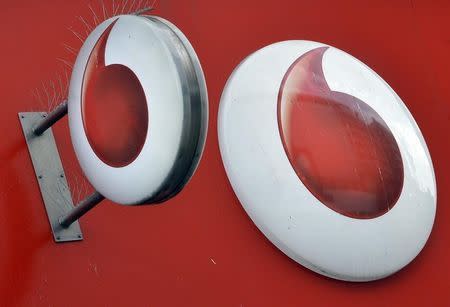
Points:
[114,107]
[339,147]
[201,249]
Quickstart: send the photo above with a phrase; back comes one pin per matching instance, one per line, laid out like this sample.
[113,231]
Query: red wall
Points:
[201,249]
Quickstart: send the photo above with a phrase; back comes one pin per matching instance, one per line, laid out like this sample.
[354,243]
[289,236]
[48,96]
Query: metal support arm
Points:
[50,119]
[50,175]
[81,209]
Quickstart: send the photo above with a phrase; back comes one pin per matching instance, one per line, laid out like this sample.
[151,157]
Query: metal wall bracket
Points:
[50,176]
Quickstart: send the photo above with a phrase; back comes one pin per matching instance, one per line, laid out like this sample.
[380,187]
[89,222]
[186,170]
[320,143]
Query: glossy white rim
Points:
[141,44]
[278,202]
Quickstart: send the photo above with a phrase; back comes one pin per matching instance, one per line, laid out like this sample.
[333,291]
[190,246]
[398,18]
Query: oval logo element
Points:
[327,161]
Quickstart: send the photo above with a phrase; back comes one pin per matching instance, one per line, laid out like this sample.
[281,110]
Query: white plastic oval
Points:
[278,202]
[172,79]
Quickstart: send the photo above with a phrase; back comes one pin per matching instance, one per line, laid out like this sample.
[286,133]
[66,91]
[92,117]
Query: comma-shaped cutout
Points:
[340,148]
[114,108]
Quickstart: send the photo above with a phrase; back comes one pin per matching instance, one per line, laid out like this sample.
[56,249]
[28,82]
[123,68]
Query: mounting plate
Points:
[50,176]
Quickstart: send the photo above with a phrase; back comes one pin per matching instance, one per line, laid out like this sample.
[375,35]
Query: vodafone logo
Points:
[138,109]
[327,160]
[338,145]
[114,108]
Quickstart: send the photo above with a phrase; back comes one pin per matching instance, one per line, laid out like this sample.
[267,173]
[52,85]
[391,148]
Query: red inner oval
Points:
[340,148]
[114,108]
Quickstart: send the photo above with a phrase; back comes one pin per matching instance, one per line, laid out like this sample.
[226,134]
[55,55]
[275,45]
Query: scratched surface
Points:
[200,249]
[50,176]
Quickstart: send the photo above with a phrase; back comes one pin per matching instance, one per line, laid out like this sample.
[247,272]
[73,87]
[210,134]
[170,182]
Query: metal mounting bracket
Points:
[50,176]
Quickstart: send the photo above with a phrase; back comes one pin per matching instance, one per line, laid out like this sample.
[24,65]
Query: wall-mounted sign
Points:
[327,160]
[137,109]
[138,115]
